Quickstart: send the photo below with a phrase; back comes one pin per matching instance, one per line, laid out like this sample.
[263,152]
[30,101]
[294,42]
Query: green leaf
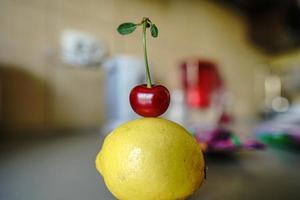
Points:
[154,30]
[126,28]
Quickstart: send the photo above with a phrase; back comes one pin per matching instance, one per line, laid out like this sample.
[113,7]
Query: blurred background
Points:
[231,66]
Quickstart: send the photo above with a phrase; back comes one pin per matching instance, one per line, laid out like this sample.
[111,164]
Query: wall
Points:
[41,92]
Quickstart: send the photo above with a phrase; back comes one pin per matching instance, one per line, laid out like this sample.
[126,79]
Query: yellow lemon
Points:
[151,159]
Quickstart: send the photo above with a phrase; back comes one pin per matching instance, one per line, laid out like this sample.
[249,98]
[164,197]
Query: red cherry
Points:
[149,102]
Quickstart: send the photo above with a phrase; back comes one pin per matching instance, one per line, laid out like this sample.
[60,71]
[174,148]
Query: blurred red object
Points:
[225,118]
[201,79]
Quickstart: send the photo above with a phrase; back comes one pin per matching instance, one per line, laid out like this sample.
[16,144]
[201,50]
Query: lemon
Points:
[151,159]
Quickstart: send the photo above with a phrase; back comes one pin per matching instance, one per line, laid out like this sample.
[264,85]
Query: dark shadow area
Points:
[221,157]
[22,98]
[273,25]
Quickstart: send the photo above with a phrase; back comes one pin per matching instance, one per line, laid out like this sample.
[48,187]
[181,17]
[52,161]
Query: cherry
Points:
[149,101]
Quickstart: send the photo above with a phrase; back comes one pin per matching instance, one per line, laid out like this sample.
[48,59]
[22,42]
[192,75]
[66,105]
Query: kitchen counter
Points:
[62,168]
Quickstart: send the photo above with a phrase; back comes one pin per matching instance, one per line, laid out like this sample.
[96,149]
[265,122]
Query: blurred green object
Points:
[235,140]
[279,139]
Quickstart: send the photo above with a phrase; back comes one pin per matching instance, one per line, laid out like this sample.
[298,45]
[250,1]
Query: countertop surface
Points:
[62,168]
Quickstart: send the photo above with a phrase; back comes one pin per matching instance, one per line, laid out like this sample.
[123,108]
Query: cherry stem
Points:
[148,76]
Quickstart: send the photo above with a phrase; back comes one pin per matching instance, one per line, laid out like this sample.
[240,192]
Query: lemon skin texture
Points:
[151,159]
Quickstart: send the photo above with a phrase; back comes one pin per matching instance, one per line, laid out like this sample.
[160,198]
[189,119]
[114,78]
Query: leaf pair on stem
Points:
[129,27]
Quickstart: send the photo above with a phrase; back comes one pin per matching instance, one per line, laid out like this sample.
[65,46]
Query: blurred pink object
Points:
[221,140]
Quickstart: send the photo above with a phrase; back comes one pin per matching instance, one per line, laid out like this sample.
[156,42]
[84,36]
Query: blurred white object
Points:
[273,87]
[123,72]
[81,49]
[177,108]
[274,101]
[207,117]
[280,104]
